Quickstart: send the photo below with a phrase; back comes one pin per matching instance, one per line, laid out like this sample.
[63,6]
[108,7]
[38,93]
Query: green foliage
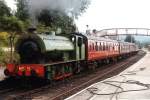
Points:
[5,57]
[4,42]
[11,24]
[4,9]
[2,54]
[130,38]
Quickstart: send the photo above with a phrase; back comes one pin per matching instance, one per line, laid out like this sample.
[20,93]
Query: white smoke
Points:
[69,7]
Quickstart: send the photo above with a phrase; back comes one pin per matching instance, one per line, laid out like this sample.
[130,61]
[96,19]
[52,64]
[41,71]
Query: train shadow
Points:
[25,83]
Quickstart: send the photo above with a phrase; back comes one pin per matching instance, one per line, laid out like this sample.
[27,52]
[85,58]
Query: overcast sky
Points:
[103,14]
[11,3]
[116,13]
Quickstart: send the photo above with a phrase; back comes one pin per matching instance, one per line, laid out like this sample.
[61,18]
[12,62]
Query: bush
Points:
[5,57]
[4,39]
[2,57]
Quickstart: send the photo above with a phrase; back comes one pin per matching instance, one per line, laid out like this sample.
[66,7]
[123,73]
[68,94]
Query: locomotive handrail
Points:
[60,62]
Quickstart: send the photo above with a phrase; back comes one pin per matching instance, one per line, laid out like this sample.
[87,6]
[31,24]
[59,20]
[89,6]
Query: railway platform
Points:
[131,84]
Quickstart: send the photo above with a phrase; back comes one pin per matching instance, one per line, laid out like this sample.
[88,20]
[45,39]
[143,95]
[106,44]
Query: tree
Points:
[4,9]
[52,18]
[55,19]
[22,10]
[130,38]
[8,22]
[82,9]
[12,25]
[4,39]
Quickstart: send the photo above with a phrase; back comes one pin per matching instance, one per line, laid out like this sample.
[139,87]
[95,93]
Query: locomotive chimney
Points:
[32,30]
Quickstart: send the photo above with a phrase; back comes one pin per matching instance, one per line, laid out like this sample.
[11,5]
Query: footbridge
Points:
[124,31]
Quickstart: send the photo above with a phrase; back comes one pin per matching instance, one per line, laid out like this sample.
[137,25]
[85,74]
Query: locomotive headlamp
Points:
[73,39]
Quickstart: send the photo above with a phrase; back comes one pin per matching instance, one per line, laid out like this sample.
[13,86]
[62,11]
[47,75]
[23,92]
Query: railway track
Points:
[62,89]
[113,70]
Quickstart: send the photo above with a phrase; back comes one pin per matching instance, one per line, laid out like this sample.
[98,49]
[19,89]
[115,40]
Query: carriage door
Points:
[80,41]
[81,49]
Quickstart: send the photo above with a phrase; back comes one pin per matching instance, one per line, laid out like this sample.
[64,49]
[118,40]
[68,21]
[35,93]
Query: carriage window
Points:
[113,48]
[99,46]
[96,46]
[108,46]
[104,46]
[116,46]
[93,46]
[90,47]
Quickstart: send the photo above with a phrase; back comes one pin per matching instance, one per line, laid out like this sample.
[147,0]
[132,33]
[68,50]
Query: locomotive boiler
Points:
[43,48]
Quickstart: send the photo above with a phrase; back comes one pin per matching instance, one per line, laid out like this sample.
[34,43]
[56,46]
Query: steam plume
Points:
[70,7]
